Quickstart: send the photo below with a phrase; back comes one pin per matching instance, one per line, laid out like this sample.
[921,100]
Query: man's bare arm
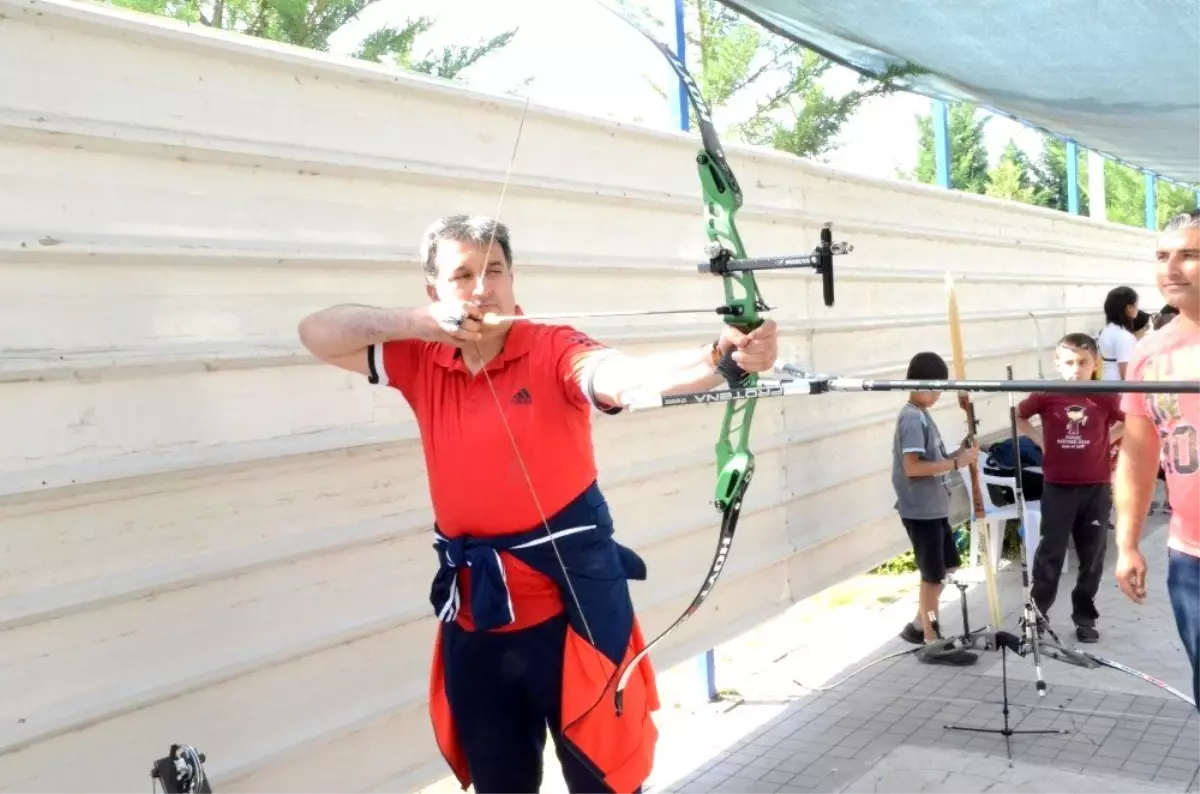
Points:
[675,372]
[1137,470]
[340,335]
[682,371]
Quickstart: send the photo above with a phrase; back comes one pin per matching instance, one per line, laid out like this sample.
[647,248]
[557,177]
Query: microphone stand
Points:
[1031,617]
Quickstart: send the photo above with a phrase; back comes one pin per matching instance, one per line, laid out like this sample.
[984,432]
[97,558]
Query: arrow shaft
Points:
[496,319]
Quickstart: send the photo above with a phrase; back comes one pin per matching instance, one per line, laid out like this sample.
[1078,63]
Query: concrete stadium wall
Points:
[207,537]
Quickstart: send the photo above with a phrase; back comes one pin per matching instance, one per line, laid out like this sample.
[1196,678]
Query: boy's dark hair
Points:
[1114,306]
[927,366]
[1165,315]
[1080,343]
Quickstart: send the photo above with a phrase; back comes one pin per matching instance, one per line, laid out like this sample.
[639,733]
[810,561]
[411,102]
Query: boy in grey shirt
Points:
[920,475]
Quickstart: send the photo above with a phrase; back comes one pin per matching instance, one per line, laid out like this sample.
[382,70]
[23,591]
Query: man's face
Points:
[1074,364]
[470,273]
[1178,265]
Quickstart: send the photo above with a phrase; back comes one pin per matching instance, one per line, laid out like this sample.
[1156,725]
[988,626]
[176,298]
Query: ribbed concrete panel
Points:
[207,537]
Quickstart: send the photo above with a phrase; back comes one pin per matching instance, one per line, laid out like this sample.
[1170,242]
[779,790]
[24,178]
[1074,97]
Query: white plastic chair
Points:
[996,517]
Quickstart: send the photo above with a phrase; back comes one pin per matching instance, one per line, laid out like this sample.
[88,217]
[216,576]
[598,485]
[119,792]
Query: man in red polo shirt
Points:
[532,590]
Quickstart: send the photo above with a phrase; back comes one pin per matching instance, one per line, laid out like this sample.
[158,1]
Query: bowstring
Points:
[483,366]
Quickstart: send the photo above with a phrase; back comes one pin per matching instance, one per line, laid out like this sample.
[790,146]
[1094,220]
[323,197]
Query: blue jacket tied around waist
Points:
[597,567]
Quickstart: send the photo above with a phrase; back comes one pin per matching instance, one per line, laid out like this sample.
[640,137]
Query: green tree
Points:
[1050,176]
[729,54]
[1125,196]
[311,24]
[1172,200]
[1011,178]
[968,152]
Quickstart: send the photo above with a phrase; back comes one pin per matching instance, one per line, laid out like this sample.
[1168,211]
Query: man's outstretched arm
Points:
[682,371]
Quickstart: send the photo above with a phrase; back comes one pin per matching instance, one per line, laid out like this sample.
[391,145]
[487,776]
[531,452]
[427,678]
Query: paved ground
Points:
[884,730]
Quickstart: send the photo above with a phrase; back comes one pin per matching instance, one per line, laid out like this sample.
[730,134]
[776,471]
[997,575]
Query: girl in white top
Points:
[1116,341]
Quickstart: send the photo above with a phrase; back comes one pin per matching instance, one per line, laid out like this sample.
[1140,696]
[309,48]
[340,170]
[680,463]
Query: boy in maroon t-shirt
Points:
[1075,435]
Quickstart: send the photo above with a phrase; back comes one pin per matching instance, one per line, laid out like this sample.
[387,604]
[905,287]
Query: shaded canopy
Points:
[1121,77]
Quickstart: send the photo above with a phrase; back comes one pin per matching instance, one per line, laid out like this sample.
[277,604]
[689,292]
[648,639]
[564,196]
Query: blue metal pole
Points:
[680,109]
[941,142]
[1072,178]
[708,673]
[1151,203]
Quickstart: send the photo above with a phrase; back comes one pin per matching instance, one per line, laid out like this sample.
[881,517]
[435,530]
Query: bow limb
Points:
[979,524]
[1149,679]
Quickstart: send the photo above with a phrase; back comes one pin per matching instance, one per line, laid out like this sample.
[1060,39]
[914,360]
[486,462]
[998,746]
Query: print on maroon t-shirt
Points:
[1075,429]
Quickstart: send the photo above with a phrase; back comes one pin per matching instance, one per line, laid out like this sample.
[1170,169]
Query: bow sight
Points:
[722,263]
[181,771]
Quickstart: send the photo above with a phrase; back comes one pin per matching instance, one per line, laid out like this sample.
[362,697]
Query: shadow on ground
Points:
[886,729]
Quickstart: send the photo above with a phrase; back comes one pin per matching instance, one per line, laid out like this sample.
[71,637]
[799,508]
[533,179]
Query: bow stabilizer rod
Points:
[1050,386]
[796,382]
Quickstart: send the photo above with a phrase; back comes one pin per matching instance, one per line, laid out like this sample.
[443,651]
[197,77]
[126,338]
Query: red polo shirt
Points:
[477,485]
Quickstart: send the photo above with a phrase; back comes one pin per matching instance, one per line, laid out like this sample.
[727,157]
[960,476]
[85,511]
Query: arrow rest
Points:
[181,771]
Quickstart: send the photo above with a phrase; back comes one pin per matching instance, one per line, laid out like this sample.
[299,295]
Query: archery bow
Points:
[722,197]
[979,521]
[735,461]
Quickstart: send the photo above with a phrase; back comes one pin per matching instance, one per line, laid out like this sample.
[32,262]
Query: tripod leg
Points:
[1030,608]
[1007,731]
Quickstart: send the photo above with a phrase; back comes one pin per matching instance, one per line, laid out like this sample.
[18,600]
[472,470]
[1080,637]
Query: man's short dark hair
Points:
[927,366]
[476,229]
[1080,343]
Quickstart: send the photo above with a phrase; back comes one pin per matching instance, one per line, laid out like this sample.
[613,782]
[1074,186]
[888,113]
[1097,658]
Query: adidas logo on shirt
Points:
[522,397]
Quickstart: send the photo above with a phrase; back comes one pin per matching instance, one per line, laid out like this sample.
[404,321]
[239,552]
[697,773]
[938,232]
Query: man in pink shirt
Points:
[1163,427]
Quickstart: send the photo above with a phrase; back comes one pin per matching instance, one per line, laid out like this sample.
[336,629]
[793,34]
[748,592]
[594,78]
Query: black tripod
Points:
[1031,619]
